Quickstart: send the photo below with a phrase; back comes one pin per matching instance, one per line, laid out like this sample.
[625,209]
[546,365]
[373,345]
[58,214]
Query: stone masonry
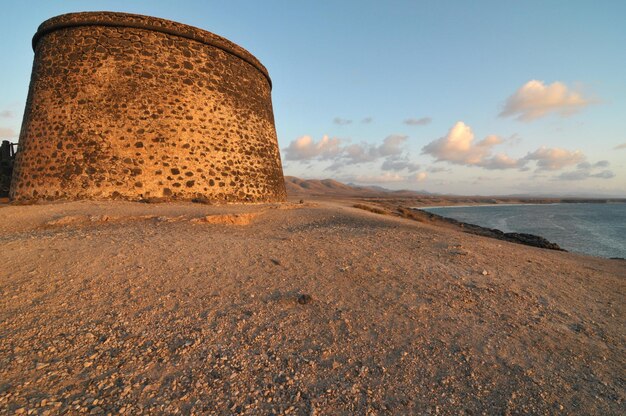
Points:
[134,107]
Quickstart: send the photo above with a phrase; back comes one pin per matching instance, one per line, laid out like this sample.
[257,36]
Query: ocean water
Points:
[595,229]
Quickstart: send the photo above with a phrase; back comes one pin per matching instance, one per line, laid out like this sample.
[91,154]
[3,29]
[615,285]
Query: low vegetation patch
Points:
[411,214]
[375,210]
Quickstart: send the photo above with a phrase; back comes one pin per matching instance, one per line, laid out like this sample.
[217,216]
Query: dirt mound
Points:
[227,219]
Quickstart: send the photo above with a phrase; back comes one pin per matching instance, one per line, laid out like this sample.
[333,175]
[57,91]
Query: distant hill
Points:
[319,187]
[297,187]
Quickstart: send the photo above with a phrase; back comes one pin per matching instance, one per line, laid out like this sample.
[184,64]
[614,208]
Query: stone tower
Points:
[131,107]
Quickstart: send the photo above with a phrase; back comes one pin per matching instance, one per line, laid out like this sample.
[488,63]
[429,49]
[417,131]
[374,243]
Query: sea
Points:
[597,229]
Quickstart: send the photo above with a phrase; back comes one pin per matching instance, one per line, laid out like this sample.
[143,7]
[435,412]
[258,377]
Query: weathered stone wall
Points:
[132,107]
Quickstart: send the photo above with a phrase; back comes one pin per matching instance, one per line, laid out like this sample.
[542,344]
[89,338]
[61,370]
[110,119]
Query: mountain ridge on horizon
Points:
[332,187]
[298,186]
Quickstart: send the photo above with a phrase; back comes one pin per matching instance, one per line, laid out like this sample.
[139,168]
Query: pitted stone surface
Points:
[128,106]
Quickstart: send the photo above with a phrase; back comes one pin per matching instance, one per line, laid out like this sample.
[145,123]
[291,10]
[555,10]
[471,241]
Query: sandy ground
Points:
[120,307]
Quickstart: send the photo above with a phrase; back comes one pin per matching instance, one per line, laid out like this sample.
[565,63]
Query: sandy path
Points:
[128,307]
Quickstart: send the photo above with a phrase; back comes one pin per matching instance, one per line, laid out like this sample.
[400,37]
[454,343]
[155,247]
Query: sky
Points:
[458,97]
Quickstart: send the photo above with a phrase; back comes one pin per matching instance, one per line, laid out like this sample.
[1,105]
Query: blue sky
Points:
[485,97]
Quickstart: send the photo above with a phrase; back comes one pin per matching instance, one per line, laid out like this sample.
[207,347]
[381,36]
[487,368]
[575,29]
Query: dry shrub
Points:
[411,214]
[370,209]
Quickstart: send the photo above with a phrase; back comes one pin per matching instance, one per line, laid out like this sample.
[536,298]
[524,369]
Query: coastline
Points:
[422,215]
[408,208]
[513,237]
[505,204]
[583,227]
[425,207]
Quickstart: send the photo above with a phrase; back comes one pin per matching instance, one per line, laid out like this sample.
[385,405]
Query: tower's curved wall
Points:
[128,106]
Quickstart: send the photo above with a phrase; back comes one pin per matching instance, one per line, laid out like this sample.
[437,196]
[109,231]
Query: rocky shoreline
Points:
[420,215]
[520,238]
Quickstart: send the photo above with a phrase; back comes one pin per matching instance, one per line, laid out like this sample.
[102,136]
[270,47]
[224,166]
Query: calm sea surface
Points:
[596,229]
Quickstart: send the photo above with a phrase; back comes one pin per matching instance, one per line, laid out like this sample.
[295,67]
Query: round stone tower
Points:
[134,107]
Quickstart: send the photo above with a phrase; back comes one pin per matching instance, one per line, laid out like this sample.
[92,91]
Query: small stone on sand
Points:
[305,299]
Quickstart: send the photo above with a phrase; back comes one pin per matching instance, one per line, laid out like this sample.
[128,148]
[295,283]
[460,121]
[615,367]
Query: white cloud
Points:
[584,170]
[418,121]
[7,114]
[580,175]
[605,174]
[501,161]
[305,148]
[388,177]
[576,175]
[418,177]
[341,121]
[7,133]
[459,147]
[367,120]
[358,153]
[362,153]
[555,158]
[535,99]
[398,164]
[391,145]
[385,177]
[456,146]
[514,139]
[620,146]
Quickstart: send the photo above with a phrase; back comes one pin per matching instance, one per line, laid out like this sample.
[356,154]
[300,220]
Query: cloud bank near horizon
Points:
[386,178]
[458,147]
[341,154]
